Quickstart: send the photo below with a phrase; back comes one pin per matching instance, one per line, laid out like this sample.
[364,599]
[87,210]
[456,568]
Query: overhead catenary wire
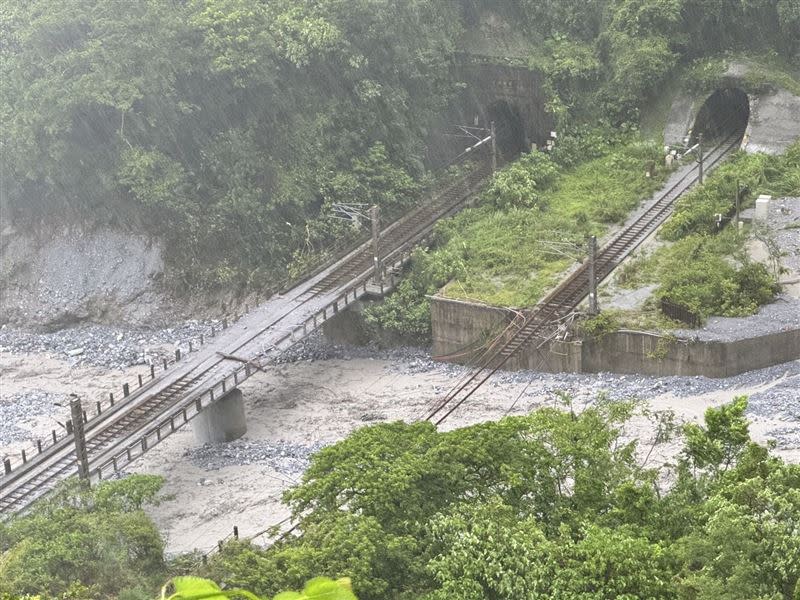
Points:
[570,292]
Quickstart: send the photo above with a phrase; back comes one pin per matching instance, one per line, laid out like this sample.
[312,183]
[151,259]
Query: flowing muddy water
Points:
[298,407]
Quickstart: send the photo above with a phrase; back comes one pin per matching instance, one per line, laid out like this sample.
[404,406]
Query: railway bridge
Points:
[203,386]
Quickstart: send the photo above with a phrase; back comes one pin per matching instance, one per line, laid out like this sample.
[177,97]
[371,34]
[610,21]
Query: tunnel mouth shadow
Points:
[509,128]
[724,112]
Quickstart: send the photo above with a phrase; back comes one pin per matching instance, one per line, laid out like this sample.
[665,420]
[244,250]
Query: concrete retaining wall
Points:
[462,329]
[458,327]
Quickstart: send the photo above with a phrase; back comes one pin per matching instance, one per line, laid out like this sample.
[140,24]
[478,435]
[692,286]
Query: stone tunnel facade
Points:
[510,95]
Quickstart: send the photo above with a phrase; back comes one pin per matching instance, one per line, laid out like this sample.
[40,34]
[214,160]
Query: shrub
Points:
[698,275]
[99,540]
[406,312]
[599,325]
[520,185]
[756,173]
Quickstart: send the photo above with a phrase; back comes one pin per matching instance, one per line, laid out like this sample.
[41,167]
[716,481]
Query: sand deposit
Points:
[298,407]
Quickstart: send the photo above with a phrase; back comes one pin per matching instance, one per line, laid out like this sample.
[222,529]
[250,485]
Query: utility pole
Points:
[494,147]
[374,217]
[80,438]
[593,307]
[738,199]
[700,155]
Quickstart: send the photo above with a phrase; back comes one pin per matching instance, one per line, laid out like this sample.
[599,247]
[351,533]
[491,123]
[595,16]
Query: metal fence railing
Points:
[678,312]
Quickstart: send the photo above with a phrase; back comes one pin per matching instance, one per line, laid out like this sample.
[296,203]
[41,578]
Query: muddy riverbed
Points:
[318,397]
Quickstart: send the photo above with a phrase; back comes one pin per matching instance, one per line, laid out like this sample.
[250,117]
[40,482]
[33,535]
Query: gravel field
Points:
[19,409]
[286,458]
[781,315]
[106,346]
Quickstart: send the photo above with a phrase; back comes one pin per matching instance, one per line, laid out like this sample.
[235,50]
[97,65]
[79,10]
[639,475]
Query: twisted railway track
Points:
[128,429]
[565,298]
[120,435]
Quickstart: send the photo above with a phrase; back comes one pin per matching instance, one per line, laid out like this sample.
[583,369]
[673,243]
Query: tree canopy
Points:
[559,504]
[221,125]
[563,503]
[227,127]
[82,543]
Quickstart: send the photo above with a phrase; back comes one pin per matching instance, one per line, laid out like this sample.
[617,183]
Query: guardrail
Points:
[104,408]
[190,407]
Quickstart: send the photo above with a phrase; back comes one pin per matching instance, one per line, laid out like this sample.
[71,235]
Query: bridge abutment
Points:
[222,421]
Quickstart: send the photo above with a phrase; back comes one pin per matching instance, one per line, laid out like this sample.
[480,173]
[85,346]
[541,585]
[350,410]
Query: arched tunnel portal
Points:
[509,127]
[512,96]
[725,111]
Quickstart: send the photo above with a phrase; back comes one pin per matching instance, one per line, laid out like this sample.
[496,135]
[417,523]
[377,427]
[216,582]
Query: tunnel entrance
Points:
[509,128]
[725,111]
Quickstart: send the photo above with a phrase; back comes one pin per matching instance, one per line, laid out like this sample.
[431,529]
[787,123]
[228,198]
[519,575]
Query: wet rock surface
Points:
[57,277]
[286,458]
[316,347]
[106,346]
[20,408]
[780,403]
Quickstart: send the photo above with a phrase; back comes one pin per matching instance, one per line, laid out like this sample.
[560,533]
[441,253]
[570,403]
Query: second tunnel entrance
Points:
[725,111]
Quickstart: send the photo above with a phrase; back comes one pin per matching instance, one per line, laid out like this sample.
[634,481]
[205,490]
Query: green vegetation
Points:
[755,173]
[606,63]
[228,127]
[599,325]
[552,505]
[708,274]
[765,71]
[225,127]
[531,224]
[557,504]
[534,216]
[708,270]
[83,543]
[196,588]
[700,277]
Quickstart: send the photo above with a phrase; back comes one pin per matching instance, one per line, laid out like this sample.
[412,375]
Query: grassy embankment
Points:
[531,224]
[704,268]
[512,257]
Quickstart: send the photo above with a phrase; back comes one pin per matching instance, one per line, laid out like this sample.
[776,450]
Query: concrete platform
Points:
[458,325]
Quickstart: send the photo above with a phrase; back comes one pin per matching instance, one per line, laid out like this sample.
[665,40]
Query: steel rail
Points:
[157,410]
[573,289]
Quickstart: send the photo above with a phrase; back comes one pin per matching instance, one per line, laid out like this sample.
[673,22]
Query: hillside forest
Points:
[228,128]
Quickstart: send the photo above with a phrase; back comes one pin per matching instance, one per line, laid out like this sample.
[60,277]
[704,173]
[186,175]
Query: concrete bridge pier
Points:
[222,421]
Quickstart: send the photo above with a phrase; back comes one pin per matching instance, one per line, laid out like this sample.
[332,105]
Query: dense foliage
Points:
[558,504]
[224,126]
[706,268]
[604,63]
[82,543]
[754,174]
[228,127]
